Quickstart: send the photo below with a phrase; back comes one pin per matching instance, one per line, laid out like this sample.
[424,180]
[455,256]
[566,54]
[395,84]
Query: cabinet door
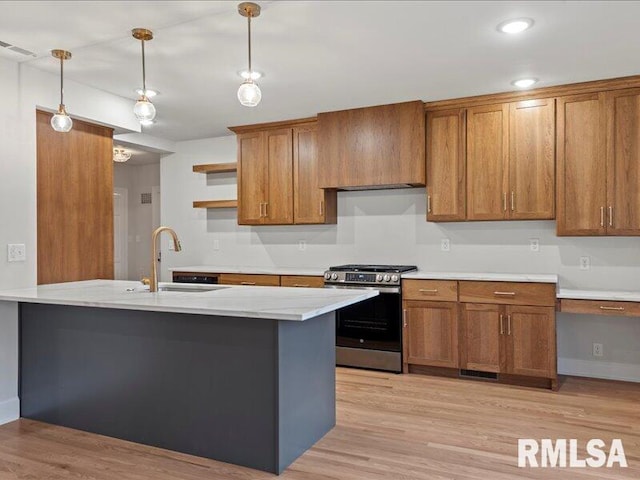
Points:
[487,162]
[581,191]
[431,334]
[252,178]
[531,341]
[446,157]
[279,159]
[480,337]
[623,162]
[532,159]
[311,204]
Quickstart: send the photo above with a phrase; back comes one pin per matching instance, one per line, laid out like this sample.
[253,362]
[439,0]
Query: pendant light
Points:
[144,110]
[120,155]
[249,93]
[61,121]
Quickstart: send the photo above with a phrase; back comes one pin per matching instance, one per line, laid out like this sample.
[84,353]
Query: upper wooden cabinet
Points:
[311,204]
[372,147]
[599,163]
[511,161]
[446,165]
[278,177]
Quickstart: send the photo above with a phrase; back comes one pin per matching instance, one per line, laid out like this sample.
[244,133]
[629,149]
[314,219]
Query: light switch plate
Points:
[16,252]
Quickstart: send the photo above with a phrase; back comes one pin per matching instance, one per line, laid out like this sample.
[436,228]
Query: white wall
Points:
[22,90]
[389,226]
[138,179]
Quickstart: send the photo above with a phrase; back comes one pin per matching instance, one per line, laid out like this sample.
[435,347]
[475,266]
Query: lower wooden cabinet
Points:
[505,330]
[430,333]
[511,339]
[302,281]
[249,279]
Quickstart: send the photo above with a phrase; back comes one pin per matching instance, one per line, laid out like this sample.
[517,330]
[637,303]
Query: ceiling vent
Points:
[19,50]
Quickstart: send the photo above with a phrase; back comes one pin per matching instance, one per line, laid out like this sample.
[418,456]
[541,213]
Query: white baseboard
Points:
[607,370]
[9,410]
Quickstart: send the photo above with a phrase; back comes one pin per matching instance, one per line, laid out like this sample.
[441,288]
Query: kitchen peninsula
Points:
[244,375]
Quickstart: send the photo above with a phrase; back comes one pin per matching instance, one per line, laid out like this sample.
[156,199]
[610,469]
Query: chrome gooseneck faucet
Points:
[153,281]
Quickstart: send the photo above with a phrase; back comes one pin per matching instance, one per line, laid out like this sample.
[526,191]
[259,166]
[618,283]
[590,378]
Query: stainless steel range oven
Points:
[369,333]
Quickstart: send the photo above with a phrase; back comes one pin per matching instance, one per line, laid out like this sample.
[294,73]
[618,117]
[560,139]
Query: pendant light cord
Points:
[62,80]
[144,74]
[249,30]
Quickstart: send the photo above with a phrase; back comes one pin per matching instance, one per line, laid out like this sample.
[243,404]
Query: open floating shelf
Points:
[216,204]
[216,167]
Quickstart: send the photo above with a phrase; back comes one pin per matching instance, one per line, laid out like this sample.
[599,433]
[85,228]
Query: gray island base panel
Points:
[251,392]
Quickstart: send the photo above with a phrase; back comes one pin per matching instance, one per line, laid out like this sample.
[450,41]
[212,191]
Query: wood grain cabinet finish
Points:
[599,164]
[311,204]
[600,307]
[446,165]
[249,279]
[433,290]
[278,177]
[488,162]
[511,161]
[430,334]
[515,339]
[374,146]
[302,281]
[508,293]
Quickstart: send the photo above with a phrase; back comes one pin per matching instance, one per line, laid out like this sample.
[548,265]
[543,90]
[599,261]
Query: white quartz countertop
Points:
[620,295]
[251,270]
[488,277]
[277,303]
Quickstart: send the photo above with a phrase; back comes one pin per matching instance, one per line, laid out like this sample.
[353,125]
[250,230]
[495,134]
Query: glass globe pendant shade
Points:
[144,110]
[61,122]
[249,94]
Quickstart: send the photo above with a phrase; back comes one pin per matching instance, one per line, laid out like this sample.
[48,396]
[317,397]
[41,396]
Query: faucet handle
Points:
[145,281]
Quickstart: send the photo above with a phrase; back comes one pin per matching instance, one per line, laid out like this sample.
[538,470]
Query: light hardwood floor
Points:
[389,427]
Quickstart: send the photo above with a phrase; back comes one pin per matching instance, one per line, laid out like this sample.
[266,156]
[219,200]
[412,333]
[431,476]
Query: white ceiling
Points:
[320,55]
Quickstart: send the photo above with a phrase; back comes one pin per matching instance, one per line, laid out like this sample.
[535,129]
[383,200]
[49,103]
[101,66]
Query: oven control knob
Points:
[334,276]
[394,278]
[378,278]
[327,276]
[387,278]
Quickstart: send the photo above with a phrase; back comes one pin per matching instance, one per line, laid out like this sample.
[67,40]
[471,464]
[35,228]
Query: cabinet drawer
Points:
[600,307]
[438,290]
[508,293]
[301,281]
[247,279]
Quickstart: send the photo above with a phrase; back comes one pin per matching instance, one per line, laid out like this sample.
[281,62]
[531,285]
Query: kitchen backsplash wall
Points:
[389,226]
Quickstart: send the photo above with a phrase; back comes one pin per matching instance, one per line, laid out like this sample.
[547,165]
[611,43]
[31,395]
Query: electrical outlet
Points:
[16,252]
[534,244]
[585,263]
[445,245]
[302,245]
[598,351]
[216,244]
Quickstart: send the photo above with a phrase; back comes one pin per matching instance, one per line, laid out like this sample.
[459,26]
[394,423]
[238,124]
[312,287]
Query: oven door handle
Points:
[354,287]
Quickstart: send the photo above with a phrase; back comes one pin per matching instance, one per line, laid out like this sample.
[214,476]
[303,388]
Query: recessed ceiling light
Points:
[253,75]
[516,25]
[150,93]
[524,82]
[146,123]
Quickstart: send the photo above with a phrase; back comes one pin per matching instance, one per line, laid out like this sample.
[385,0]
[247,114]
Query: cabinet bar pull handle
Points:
[428,290]
[321,207]
[610,216]
[504,201]
[300,284]
[513,200]
[404,317]
[247,283]
[501,325]
[508,324]
[509,294]
[266,209]
[428,203]
[602,216]
[618,309]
